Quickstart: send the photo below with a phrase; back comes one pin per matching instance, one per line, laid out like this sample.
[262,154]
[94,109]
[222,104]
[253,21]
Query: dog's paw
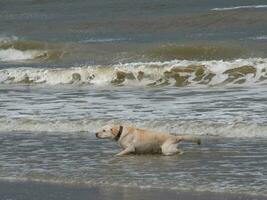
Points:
[181,152]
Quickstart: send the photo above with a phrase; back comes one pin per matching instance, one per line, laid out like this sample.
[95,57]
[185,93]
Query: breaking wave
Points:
[89,126]
[240,7]
[263,37]
[17,55]
[13,49]
[171,73]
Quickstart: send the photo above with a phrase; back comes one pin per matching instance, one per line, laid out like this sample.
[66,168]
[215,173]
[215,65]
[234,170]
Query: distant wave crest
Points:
[262,37]
[103,40]
[240,7]
[13,49]
[17,55]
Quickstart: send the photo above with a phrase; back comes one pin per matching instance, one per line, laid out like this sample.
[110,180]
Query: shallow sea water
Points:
[48,135]
[225,112]
[218,165]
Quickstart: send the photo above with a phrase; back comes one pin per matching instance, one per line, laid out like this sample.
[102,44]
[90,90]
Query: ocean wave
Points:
[94,50]
[14,49]
[262,37]
[6,39]
[198,51]
[240,7]
[236,129]
[9,50]
[103,40]
[171,73]
[17,55]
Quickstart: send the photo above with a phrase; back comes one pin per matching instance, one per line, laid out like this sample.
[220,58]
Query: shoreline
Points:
[31,190]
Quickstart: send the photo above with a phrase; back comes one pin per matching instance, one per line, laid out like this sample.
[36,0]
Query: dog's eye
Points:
[104,130]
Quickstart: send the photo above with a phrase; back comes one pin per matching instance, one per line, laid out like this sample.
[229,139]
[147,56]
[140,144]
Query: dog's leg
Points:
[170,148]
[126,151]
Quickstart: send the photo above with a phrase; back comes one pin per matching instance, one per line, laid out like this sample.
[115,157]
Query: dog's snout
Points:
[96,135]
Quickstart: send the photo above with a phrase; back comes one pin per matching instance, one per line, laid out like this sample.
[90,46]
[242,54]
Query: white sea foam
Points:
[88,126]
[240,71]
[6,39]
[239,7]
[9,53]
[18,55]
[262,37]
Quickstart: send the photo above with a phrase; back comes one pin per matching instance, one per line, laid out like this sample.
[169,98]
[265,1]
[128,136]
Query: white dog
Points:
[135,140]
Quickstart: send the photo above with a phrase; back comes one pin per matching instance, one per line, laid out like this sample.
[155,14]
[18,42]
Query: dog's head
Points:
[108,131]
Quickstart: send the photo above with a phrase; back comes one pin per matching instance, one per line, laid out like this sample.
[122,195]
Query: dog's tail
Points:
[188,138]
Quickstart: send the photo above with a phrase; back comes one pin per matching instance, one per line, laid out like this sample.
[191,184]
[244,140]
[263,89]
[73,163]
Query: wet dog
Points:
[141,141]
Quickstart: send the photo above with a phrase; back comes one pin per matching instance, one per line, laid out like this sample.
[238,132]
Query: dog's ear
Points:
[114,131]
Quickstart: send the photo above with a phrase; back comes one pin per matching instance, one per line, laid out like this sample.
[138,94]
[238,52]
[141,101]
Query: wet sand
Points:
[53,191]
